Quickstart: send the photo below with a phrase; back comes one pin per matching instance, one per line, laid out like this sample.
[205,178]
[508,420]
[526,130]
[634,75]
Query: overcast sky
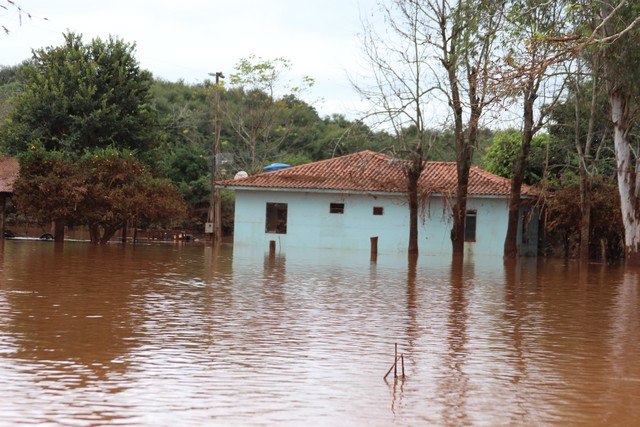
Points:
[189,39]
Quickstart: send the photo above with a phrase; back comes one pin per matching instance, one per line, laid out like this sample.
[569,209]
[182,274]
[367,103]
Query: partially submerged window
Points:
[470,226]
[336,208]
[276,221]
[378,210]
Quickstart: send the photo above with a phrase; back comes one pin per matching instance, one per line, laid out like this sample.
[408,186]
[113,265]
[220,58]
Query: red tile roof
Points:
[9,170]
[368,171]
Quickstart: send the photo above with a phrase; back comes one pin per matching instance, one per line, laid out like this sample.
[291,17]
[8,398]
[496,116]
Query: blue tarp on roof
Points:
[276,166]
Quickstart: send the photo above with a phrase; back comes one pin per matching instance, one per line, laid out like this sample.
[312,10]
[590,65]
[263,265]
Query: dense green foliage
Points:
[505,146]
[9,87]
[78,95]
[300,135]
[76,113]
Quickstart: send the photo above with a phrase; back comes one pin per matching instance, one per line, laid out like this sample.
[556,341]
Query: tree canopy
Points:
[102,189]
[79,120]
[80,95]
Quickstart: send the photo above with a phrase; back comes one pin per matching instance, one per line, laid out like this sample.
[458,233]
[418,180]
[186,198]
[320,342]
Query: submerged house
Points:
[342,202]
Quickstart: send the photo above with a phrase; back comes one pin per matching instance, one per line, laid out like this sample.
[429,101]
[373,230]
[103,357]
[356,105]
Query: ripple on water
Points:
[163,335]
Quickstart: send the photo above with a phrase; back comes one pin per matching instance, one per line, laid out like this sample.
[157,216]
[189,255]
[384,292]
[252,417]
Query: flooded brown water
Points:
[188,335]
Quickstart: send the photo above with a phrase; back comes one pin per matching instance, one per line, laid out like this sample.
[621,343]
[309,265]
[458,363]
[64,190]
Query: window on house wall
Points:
[336,208]
[470,226]
[378,210]
[276,220]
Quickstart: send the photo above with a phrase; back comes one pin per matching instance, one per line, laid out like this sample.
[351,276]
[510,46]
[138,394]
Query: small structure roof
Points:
[9,171]
[368,171]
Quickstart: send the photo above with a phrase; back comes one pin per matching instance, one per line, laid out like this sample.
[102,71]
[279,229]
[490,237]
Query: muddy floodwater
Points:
[188,335]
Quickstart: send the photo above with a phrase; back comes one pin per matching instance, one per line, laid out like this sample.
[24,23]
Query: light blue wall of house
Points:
[311,225]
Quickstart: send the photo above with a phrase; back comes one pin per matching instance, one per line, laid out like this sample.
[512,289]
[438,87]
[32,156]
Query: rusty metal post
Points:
[374,249]
[395,362]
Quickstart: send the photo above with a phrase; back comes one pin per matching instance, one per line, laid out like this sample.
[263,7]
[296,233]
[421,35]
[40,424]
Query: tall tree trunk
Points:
[416,167]
[124,232]
[586,160]
[620,93]
[462,170]
[465,146]
[110,231]
[94,233]
[413,212]
[58,233]
[628,177]
[511,239]
[585,213]
[460,207]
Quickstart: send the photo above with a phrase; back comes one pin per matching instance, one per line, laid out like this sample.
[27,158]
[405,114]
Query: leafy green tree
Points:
[76,96]
[580,130]
[81,110]
[339,136]
[9,87]
[188,167]
[263,117]
[504,150]
[184,114]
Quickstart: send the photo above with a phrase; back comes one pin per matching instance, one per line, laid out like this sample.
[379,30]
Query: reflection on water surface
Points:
[192,335]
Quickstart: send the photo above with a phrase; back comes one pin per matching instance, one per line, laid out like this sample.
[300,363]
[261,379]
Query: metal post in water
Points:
[395,362]
[374,249]
[272,248]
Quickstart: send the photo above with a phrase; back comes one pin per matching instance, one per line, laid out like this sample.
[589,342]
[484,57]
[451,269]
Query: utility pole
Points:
[213,227]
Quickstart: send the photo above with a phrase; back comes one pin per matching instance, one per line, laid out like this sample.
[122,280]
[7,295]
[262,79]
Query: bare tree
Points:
[588,147]
[429,51]
[464,34]
[530,75]
[402,82]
